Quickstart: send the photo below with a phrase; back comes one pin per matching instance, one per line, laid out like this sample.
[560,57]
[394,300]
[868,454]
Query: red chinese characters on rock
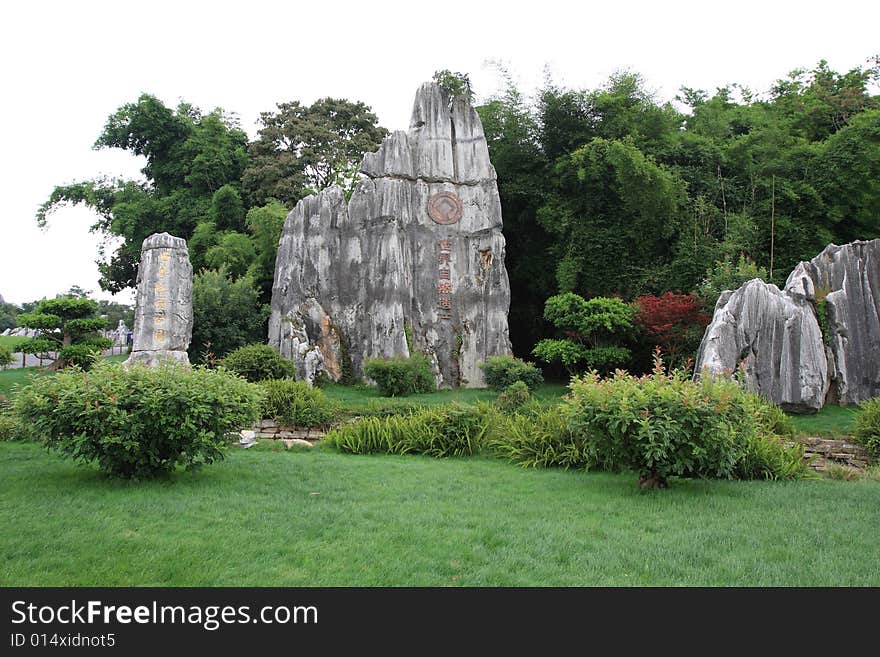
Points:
[444,287]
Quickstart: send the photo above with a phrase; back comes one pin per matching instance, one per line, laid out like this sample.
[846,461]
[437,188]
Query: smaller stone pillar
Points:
[163,317]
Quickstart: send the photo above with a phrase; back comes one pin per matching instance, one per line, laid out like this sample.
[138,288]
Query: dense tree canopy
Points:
[301,149]
[608,191]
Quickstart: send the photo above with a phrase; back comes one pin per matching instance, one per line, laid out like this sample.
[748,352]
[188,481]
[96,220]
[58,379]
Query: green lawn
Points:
[832,420]
[10,341]
[365,397]
[315,517]
[21,375]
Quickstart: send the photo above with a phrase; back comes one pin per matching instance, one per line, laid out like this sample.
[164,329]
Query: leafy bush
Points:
[517,394]
[503,371]
[665,424]
[439,431]
[83,356]
[399,377]
[5,355]
[294,403]
[868,425]
[259,362]
[542,441]
[139,422]
[673,322]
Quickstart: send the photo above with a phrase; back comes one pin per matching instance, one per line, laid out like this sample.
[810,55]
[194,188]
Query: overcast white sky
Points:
[67,65]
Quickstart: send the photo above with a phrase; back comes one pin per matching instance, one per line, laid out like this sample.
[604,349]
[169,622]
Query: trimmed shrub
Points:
[868,425]
[502,371]
[139,422]
[399,377]
[516,395]
[294,403]
[259,362]
[83,356]
[439,431]
[662,425]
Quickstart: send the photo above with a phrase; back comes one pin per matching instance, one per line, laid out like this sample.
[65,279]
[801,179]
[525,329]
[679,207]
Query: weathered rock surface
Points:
[163,308]
[774,336]
[414,260]
[774,339]
[848,278]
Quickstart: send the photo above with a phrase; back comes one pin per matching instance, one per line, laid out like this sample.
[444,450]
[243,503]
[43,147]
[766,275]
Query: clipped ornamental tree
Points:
[590,333]
[139,422]
[70,327]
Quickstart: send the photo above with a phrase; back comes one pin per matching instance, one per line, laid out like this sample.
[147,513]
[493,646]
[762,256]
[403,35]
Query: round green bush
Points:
[399,377]
[294,403]
[259,362]
[502,371]
[514,396]
[139,422]
[83,356]
[868,425]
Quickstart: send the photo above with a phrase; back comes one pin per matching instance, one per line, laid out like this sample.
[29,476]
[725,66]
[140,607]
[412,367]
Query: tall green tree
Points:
[189,157]
[226,315]
[302,149]
[512,133]
[265,224]
[615,214]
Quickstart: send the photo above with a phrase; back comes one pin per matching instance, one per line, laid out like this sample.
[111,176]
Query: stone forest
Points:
[658,313]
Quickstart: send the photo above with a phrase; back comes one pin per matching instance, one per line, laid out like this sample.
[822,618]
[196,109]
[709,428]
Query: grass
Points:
[10,340]
[315,517]
[366,399]
[832,420]
[22,375]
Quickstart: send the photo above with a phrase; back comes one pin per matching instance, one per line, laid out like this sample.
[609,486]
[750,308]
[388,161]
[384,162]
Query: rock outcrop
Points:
[775,338]
[413,262]
[848,279]
[163,315]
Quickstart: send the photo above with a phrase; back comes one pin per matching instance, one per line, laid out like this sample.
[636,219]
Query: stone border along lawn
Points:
[312,517]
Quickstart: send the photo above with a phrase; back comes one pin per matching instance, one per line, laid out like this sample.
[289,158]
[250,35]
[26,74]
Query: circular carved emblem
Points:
[445,208]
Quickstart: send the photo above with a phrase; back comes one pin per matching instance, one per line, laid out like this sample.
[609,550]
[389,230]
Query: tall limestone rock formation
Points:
[774,337]
[163,316]
[414,261]
[848,278]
